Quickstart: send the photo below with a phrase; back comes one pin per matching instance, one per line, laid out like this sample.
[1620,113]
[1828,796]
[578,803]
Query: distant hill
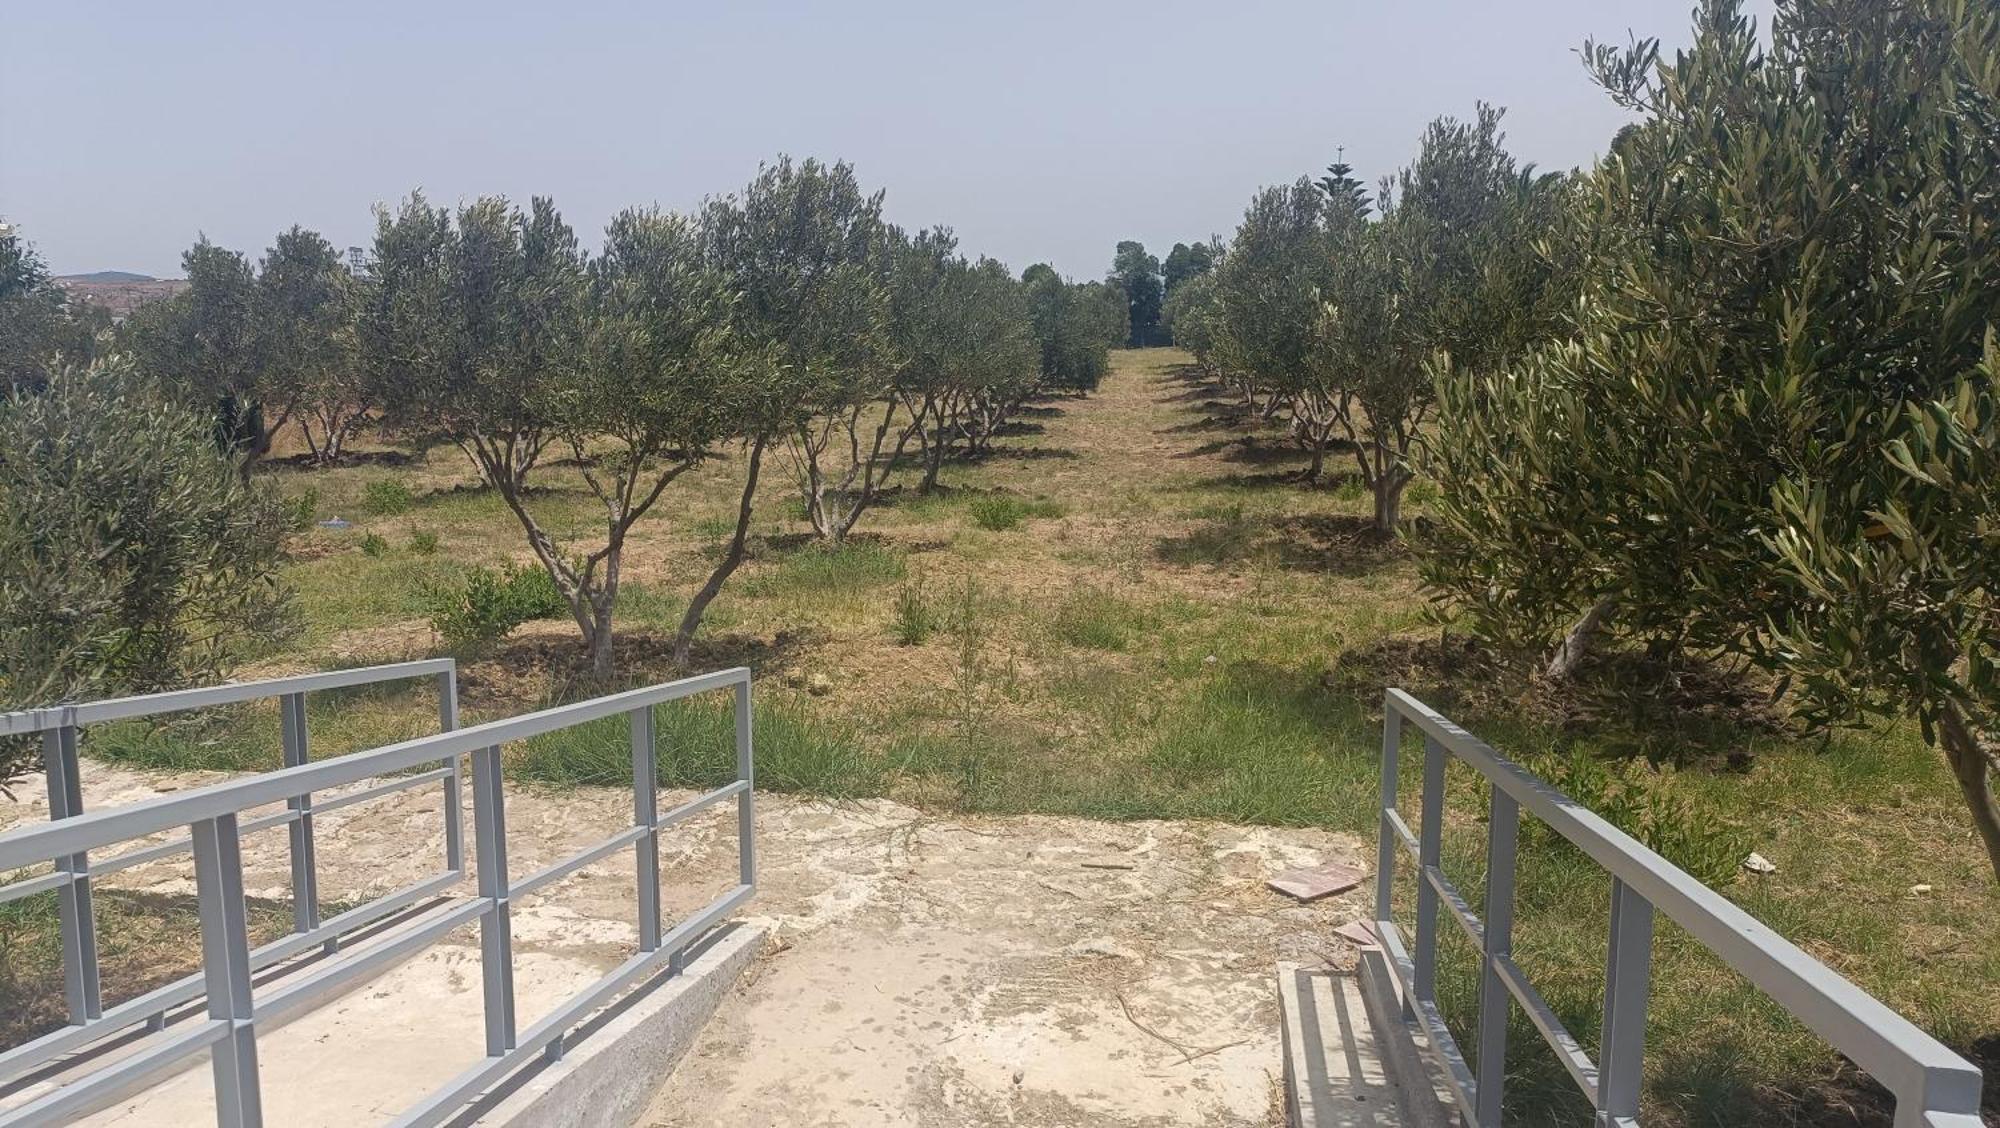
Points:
[107,276]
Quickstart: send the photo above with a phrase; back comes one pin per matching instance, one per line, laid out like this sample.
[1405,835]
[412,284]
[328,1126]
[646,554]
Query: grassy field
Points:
[1133,609]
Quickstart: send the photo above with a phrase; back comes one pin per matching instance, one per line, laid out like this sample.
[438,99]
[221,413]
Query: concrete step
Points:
[1341,1071]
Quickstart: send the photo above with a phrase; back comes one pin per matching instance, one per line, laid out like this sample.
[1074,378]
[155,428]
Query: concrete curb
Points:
[618,1060]
[1335,1072]
[1426,1102]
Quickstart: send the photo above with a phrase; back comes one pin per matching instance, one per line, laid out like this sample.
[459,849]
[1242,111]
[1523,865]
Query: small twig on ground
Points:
[1187,1054]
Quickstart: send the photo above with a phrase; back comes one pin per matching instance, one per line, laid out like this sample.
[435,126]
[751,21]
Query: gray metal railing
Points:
[234,1011]
[1933,1087]
[59,727]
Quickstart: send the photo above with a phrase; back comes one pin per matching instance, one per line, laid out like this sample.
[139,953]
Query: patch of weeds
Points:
[424,542]
[1001,512]
[1227,535]
[1095,619]
[480,606]
[386,497]
[853,566]
[1709,848]
[713,528]
[915,618]
[372,545]
[301,508]
[695,746]
[646,604]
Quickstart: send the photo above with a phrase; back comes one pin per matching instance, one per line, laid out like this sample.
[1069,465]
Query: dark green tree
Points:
[1138,275]
[1773,432]
[1188,261]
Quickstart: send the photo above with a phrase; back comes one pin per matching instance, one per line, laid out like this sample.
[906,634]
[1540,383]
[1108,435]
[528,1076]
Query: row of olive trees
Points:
[787,320]
[1770,428]
[1331,310]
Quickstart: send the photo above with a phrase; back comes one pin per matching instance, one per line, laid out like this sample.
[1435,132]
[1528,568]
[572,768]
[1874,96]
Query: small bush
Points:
[387,497]
[424,542]
[300,509]
[372,544]
[1001,512]
[915,619]
[483,605]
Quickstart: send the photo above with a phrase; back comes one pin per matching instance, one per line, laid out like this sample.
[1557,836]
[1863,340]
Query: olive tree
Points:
[1771,433]
[306,307]
[1075,325]
[209,342]
[807,251]
[133,557]
[38,327]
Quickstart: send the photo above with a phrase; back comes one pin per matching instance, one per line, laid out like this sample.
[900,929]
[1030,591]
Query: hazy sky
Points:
[1040,131]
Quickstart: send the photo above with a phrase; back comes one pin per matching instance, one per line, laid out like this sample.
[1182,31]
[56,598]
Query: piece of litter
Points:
[1317,881]
[1920,890]
[1109,865]
[1358,932]
[1758,863]
[336,524]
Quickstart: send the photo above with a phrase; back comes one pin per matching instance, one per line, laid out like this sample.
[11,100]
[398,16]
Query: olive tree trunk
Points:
[1972,766]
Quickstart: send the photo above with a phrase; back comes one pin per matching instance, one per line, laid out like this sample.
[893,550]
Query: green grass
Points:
[1001,512]
[854,566]
[695,746]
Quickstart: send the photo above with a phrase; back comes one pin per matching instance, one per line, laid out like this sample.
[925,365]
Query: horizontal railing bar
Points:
[34,885]
[1475,929]
[110,1084]
[346,970]
[446,1102]
[174,846]
[1444,1048]
[181,700]
[97,829]
[1880,1041]
[701,802]
[1568,1050]
[30,1055]
[367,913]
[1403,831]
[400,783]
[576,861]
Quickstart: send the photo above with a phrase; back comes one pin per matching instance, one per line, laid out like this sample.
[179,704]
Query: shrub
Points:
[1000,512]
[372,544]
[484,604]
[133,556]
[424,542]
[387,497]
[300,509]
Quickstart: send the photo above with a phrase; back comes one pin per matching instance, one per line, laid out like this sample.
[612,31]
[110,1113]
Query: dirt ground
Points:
[922,970]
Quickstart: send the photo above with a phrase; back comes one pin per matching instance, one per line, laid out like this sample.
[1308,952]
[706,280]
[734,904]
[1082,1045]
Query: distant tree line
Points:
[786,321]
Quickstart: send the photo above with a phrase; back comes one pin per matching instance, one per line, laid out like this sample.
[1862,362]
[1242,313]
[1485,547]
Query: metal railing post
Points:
[1387,848]
[646,813]
[1627,979]
[746,849]
[496,943]
[77,919]
[225,962]
[1502,837]
[305,869]
[454,829]
[1430,842]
